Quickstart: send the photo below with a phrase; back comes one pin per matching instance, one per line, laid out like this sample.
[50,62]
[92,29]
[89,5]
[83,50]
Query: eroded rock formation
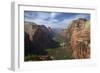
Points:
[37,39]
[80,39]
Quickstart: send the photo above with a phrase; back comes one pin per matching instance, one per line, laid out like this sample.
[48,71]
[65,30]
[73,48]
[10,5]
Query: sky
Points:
[53,19]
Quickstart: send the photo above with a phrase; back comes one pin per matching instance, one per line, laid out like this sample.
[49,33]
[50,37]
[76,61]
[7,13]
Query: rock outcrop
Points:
[80,38]
[37,39]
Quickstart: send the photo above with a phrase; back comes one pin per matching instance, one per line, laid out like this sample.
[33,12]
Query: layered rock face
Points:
[37,39]
[80,39]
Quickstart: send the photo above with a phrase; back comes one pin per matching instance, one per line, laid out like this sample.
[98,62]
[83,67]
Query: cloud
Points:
[68,20]
[30,14]
[43,15]
[53,19]
[54,14]
[86,16]
[45,18]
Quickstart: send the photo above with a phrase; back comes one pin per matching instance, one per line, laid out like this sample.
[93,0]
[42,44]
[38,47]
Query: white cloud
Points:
[55,20]
[52,22]
[42,15]
[80,16]
[53,15]
[68,21]
[40,19]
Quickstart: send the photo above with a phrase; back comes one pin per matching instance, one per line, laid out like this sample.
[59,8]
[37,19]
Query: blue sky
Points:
[53,19]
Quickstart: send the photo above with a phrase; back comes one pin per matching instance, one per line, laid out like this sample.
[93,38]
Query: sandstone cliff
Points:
[79,38]
[37,38]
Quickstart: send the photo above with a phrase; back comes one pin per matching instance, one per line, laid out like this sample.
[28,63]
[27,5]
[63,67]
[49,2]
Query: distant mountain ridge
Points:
[37,39]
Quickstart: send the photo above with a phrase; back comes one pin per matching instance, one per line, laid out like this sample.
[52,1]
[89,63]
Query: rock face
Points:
[37,39]
[80,39]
